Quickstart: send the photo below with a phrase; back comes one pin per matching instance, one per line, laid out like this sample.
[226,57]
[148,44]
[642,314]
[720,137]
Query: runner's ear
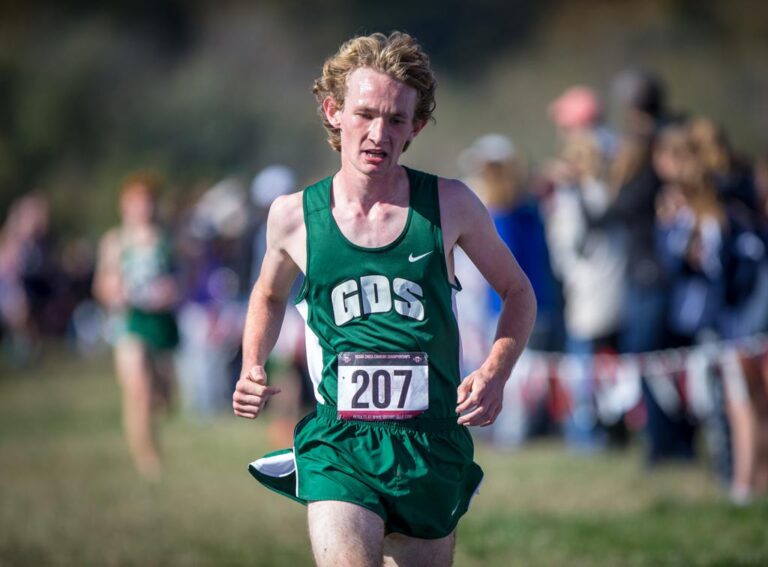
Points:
[418,125]
[331,111]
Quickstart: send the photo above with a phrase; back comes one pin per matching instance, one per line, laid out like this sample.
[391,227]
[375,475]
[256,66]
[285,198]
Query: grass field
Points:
[69,496]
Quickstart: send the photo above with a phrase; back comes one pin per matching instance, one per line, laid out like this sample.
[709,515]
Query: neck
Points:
[138,227]
[353,187]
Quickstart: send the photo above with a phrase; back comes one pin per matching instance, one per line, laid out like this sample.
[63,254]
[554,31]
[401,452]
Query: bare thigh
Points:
[345,535]
[405,551]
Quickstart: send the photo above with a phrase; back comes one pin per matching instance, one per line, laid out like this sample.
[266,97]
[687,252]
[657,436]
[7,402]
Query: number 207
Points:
[381,383]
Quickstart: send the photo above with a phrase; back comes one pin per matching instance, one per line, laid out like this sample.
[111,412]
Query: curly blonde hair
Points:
[397,55]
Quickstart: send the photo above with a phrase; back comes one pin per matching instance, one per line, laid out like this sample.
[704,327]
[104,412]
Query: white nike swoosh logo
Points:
[412,258]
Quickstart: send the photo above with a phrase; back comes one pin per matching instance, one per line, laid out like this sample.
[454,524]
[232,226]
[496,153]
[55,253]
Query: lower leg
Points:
[761,464]
[761,413]
[162,382]
[742,424]
[136,383]
[345,535]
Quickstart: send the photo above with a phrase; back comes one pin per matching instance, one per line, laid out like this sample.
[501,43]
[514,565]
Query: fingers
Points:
[466,404]
[463,391]
[247,405]
[247,415]
[478,403]
[470,391]
[249,388]
[482,415]
[252,393]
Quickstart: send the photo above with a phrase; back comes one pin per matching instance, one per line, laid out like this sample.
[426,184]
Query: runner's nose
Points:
[377,130]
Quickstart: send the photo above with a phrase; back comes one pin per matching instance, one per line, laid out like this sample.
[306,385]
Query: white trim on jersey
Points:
[454,293]
[314,352]
[296,468]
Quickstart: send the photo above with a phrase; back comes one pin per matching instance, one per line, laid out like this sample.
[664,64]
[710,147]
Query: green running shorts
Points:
[417,475]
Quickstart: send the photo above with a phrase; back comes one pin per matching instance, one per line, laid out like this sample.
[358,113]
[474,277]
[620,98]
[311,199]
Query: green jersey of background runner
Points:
[387,312]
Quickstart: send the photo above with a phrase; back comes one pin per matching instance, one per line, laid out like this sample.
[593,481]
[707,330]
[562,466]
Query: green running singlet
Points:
[363,305]
[396,298]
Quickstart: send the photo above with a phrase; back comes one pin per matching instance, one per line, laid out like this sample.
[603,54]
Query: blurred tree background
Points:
[199,91]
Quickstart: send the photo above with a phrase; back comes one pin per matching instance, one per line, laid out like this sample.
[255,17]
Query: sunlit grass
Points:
[69,496]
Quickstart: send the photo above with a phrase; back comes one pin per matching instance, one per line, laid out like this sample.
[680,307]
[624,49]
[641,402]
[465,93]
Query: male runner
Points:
[385,463]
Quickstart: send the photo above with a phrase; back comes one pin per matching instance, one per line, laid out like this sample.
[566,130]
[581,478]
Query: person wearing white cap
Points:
[270,183]
[496,172]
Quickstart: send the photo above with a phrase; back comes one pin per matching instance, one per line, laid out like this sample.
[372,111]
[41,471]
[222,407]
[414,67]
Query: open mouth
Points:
[375,154]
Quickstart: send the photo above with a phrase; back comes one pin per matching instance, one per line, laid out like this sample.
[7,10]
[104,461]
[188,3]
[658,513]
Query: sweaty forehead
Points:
[369,87]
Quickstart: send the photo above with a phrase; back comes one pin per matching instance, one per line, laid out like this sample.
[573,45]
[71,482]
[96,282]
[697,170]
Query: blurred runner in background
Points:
[134,279]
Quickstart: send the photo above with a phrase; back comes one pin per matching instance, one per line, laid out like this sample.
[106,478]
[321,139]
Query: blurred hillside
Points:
[200,91]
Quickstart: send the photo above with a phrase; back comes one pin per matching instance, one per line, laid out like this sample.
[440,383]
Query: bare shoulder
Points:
[286,216]
[112,236]
[110,242]
[455,196]
[459,206]
[286,234]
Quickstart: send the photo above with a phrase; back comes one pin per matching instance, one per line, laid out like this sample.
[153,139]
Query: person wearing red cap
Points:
[578,107]
[590,262]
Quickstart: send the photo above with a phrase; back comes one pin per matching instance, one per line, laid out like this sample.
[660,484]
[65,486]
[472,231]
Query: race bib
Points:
[374,386]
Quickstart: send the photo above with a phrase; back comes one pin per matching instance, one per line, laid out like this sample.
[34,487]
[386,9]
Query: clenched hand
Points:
[252,393]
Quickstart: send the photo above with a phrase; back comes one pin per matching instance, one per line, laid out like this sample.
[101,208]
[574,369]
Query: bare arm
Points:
[469,225]
[107,285]
[266,307]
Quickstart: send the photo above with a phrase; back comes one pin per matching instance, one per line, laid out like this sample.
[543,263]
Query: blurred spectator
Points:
[474,313]
[712,234]
[223,241]
[692,229]
[745,374]
[578,107]
[214,270]
[693,233]
[641,98]
[29,275]
[731,175]
[589,260]
[14,311]
[85,318]
[473,303]
[270,183]
[134,279]
[496,172]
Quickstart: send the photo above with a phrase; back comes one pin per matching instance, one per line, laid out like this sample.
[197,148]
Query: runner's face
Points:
[376,122]
[137,207]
